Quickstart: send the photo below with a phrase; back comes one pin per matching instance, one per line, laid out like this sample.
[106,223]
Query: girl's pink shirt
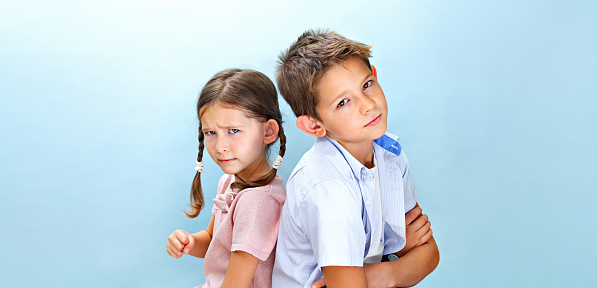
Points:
[245,221]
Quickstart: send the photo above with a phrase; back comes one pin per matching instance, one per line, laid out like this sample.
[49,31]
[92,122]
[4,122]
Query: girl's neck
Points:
[257,171]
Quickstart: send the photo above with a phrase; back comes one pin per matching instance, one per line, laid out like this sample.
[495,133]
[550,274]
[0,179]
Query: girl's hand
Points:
[180,242]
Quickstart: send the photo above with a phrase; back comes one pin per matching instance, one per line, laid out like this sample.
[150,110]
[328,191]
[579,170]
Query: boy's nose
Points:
[367,105]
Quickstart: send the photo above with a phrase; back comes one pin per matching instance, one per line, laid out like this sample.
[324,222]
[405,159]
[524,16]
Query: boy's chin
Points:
[380,133]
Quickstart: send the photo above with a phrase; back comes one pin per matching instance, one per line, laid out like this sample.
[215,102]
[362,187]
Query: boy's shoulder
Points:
[326,161]
[321,178]
[322,162]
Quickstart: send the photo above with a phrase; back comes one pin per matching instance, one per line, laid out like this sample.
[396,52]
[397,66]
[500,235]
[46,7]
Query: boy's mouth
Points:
[374,121]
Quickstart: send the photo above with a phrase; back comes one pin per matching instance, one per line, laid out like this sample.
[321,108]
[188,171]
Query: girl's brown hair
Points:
[247,90]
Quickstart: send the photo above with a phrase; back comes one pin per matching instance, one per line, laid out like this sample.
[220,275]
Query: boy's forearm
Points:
[415,265]
[344,276]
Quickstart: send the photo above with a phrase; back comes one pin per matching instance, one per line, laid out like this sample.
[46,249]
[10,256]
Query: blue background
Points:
[494,102]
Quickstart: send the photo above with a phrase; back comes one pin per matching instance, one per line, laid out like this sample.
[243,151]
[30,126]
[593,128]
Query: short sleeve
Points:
[331,217]
[256,219]
[410,189]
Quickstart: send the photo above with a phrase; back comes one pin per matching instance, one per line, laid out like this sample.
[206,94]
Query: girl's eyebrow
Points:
[228,126]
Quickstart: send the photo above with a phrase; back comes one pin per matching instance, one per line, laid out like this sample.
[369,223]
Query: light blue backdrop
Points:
[494,102]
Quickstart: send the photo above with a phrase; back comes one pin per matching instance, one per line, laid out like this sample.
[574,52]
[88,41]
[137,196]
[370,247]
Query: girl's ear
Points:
[310,126]
[374,71]
[271,131]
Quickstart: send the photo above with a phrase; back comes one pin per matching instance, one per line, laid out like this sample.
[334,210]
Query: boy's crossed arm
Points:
[417,259]
[342,276]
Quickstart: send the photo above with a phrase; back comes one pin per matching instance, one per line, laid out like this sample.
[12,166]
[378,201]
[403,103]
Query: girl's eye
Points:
[207,133]
[342,103]
[367,84]
[232,131]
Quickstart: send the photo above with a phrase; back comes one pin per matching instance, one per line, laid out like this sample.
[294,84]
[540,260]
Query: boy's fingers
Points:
[319,284]
[426,237]
[412,215]
[420,222]
[426,227]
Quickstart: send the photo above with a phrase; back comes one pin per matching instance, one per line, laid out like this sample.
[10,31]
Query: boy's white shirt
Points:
[329,230]
[376,249]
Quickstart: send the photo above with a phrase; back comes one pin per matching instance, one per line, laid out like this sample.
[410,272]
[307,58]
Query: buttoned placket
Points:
[392,191]
[367,185]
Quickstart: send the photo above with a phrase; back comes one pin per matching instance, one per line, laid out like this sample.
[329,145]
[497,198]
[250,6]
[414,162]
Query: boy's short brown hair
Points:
[306,61]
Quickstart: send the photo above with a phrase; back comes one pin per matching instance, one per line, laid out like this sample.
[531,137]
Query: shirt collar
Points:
[356,166]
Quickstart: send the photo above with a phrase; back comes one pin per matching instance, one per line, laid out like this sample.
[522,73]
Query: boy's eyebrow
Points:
[335,99]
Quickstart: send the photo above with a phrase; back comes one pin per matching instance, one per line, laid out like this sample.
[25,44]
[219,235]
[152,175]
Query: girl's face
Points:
[236,142]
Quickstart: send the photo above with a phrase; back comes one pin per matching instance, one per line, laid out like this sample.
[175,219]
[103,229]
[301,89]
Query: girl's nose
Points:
[221,145]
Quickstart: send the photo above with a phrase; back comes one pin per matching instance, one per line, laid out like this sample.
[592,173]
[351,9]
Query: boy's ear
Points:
[271,131]
[310,126]
[374,71]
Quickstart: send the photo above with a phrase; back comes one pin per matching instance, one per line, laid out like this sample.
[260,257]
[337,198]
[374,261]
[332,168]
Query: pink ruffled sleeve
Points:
[224,182]
[256,222]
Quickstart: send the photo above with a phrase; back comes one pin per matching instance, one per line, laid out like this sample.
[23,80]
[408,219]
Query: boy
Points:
[347,197]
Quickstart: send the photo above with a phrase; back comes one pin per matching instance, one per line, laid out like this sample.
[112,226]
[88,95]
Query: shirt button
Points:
[367,203]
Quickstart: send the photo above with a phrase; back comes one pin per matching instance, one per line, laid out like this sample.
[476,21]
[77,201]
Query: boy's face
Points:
[352,106]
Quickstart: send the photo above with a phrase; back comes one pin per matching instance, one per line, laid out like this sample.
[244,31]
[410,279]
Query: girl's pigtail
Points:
[282,137]
[241,184]
[197,201]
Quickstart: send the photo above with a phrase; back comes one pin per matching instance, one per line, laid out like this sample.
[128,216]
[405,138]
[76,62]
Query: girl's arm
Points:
[241,269]
[201,241]
[196,244]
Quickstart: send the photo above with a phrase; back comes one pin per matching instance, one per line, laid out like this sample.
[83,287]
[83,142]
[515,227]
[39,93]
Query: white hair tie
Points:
[277,162]
[199,167]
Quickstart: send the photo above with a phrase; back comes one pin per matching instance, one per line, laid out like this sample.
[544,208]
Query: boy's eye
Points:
[232,131]
[367,84]
[342,103]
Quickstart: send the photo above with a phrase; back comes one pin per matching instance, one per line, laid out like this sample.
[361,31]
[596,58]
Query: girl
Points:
[239,119]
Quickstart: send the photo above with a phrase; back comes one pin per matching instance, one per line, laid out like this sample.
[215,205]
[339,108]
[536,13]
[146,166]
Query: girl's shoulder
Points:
[224,183]
[275,190]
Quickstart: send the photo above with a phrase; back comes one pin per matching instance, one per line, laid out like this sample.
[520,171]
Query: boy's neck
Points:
[363,152]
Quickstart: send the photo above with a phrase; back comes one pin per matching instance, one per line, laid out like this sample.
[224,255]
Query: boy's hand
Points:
[418,232]
[319,284]
[418,229]
[180,242]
